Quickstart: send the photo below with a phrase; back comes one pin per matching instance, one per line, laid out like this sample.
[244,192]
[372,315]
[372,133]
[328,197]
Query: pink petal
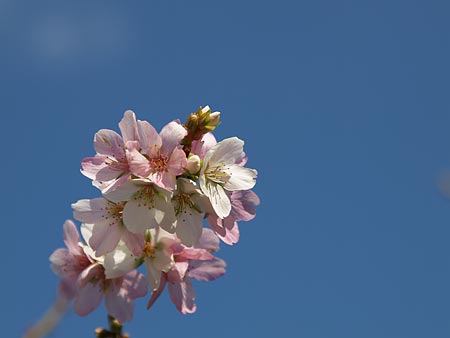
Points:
[216,225]
[134,242]
[171,136]
[90,274]
[183,296]
[201,147]
[66,289]
[207,270]
[87,299]
[108,142]
[177,162]
[91,165]
[196,254]
[232,235]
[209,240]
[243,205]
[164,180]
[115,184]
[139,164]
[71,237]
[119,304]
[105,237]
[128,127]
[135,284]
[148,138]
[181,268]
[108,173]
[65,264]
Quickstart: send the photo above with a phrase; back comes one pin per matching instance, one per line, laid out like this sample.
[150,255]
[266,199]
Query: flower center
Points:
[217,173]
[146,196]
[159,164]
[149,250]
[114,211]
[181,202]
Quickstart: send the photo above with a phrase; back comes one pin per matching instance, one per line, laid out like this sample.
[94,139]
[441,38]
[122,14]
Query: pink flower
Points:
[107,225]
[202,146]
[83,279]
[69,263]
[109,167]
[161,158]
[243,205]
[197,263]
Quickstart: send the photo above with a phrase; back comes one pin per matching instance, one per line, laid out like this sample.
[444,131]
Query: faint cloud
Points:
[70,37]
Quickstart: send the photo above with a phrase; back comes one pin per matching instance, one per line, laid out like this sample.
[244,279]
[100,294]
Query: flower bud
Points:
[213,120]
[193,164]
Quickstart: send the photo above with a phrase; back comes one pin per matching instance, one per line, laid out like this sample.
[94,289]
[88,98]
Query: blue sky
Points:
[344,109]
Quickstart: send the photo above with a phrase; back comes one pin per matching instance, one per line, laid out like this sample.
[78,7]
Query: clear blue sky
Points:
[344,107]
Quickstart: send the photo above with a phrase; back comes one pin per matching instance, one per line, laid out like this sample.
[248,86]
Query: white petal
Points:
[240,178]
[189,226]
[119,262]
[163,260]
[122,193]
[153,275]
[138,217]
[90,211]
[226,151]
[164,214]
[86,231]
[218,198]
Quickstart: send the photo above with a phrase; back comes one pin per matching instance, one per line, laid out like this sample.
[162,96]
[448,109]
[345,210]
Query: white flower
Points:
[221,171]
[148,206]
[189,204]
[156,255]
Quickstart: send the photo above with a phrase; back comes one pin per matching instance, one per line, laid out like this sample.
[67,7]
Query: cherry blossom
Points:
[147,206]
[84,281]
[190,263]
[109,168]
[158,190]
[161,158]
[243,205]
[156,255]
[189,203]
[222,171]
[107,225]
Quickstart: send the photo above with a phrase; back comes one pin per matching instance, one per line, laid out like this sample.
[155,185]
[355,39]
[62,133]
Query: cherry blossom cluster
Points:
[158,190]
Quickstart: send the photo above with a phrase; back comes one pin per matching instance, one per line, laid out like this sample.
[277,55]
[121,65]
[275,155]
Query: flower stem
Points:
[115,330]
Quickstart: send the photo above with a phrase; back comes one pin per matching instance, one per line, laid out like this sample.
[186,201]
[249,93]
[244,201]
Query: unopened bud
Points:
[193,164]
[213,120]
[206,110]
